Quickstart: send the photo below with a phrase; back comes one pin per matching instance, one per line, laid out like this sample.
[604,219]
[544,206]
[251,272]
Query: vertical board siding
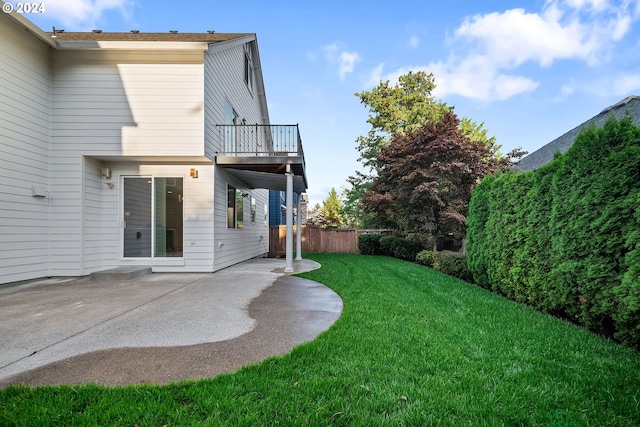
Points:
[224,82]
[24,151]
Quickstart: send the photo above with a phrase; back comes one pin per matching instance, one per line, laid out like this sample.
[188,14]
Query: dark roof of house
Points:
[545,154]
[209,37]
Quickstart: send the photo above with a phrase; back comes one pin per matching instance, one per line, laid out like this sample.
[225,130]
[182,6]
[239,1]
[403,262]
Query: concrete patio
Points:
[160,327]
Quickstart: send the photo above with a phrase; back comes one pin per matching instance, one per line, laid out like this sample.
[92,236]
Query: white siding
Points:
[197,211]
[128,103]
[94,218]
[114,104]
[238,244]
[65,114]
[25,98]
[224,82]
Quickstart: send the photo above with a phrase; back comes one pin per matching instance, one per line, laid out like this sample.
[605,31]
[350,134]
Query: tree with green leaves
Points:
[400,109]
[332,209]
[354,216]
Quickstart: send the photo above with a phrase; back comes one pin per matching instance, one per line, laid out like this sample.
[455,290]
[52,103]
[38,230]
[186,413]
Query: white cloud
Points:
[487,51]
[348,61]
[414,41]
[83,15]
[331,51]
[335,54]
[625,85]
[473,77]
[565,92]
[375,76]
[596,5]
[513,37]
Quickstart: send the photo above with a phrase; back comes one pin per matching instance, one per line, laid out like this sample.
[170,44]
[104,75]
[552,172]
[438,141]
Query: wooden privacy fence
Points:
[315,239]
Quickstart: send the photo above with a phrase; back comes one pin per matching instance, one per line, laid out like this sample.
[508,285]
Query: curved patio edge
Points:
[288,313]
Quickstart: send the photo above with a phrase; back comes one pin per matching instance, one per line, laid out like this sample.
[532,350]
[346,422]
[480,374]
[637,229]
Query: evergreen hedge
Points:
[566,238]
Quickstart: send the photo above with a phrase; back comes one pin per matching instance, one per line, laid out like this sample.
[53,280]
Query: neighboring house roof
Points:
[133,36]
[545,154]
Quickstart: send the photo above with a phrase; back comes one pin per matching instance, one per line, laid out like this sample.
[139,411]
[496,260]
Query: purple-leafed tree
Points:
[425,178]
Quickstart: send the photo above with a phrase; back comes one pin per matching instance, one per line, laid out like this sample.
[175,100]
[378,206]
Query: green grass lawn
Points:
[413,347]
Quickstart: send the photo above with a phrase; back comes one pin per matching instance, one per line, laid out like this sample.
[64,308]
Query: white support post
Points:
[289,238]
[299,229]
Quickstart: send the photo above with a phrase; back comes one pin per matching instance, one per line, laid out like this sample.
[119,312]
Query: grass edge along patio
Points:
[413,347]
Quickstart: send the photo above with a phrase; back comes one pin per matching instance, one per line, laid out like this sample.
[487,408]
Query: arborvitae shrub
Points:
[477,240]
[565,239]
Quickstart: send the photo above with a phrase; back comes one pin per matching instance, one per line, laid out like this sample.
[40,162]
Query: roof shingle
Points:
[546,153]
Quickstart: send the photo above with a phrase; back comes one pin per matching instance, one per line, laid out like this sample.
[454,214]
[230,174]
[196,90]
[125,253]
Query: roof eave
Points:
[133,45]
[30,27]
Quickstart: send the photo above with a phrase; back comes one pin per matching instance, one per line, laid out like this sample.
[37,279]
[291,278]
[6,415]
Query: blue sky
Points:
[529,70]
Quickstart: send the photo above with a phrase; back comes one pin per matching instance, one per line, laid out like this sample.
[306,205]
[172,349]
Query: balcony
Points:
[258,155]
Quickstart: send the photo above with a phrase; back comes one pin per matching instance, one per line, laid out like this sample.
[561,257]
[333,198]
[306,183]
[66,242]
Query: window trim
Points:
[235,208]
[249,71]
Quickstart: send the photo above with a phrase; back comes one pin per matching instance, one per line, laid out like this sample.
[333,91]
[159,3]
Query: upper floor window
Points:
[249,77]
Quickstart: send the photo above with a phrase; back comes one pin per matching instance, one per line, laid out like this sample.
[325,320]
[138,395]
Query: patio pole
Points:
[289,239]
[299,229]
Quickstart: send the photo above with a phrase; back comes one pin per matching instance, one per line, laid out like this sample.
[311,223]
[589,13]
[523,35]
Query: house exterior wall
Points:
[235,245]
[113,104]
[224,83]
[24,151]
[65,114]
[128,103]
[197,239]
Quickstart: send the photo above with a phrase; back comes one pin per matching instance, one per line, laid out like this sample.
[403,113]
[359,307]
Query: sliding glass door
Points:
[152,217]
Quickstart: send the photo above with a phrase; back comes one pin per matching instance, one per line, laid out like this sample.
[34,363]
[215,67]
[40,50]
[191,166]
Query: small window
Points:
[239,209]
[253,210]
[231,207]
[249,76]
[235,208]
